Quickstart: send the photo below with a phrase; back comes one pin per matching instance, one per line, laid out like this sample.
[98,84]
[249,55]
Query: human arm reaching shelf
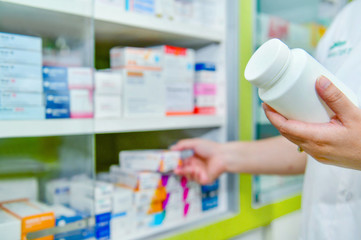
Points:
[269,156]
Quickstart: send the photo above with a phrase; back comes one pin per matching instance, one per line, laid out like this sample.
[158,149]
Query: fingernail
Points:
[323,82]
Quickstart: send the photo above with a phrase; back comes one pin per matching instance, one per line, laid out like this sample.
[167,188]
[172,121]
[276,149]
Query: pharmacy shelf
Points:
[79,7]
[61,127]
[154,124]
[112,24]
[197,221]
[39,128]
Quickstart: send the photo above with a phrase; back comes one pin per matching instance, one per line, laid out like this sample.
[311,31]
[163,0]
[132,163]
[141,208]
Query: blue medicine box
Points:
[55,79]
[57,112]
[210,187]
[57,105]
[205,66]
[57,99]
[102,226]
[209,203]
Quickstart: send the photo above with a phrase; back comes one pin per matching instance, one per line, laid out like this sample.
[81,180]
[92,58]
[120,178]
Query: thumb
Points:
[334,98]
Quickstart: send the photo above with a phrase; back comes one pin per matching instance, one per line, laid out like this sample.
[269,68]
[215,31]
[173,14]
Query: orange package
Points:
[33,216]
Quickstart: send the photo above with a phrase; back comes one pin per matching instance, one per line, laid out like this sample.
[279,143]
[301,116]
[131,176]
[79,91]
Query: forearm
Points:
[269,156]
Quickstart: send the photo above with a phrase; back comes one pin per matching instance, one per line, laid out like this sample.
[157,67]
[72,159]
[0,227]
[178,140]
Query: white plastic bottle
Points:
[286,80]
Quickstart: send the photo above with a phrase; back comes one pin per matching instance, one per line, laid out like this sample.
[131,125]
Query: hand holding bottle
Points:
[336,142]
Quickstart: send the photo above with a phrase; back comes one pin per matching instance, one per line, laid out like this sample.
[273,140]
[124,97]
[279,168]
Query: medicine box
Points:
[57,104]
[205,88]
[205,72]
[205,98]
[57,112]
[32,216]
[107,106]
[122,200]
[12,189]
[144,94]
[150,160]
[57,191]
[10,226]
[22,113]
[86,188]
[21,99]
[177,63]
[57,99]
[62,78]
[148,196]
[16,41]
[81,103]
[13,70]
[122,221]
[210,195]
[108,82]
[178,75]
[136,180]
[121,225]
[135,58]
[20,57]
[180,98]
[141,6]
[15,84]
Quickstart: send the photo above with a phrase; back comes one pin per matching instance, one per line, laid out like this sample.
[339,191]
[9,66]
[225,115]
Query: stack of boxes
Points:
[97,200]
[205,88]
[21,94]
[191,198]
[65,215]
[68,92]
[122,219]
[22,217]
[178,75]
[108,94]
[210,194]
[146,169]
[10,226]
[144,90]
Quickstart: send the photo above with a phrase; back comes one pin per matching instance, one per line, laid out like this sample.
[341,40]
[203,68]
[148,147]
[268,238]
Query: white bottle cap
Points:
[267,63]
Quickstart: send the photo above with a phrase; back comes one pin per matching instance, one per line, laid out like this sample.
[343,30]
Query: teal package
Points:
[158,219]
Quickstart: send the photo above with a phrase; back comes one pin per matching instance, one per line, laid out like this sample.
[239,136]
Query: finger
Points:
[290,128]
[334,98]
[185,144]
[204,178]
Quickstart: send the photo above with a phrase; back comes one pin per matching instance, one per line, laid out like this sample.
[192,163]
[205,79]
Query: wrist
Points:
[226,155]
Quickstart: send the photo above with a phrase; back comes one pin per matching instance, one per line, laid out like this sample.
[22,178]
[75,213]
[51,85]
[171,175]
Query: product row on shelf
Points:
[135,196]
[142,82]
[208,13]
